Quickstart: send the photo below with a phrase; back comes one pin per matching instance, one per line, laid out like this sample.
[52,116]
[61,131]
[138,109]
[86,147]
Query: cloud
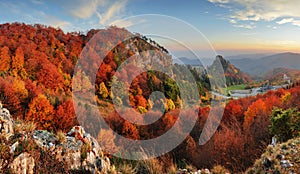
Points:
[48,19]
[289,20]
[122,23]
[273,27]
[219,1]
[232,21]
[83,9]
[55,22]
[296,23]
[285,20]
[24,12]
[113,12]
[128,22]
[106,11]
[261,10]
[245,26]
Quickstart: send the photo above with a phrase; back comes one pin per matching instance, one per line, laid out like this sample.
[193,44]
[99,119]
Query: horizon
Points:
[233,27]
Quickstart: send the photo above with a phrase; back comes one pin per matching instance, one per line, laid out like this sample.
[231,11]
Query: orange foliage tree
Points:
[4,59]
[130,131]
[41,112]
[18,60]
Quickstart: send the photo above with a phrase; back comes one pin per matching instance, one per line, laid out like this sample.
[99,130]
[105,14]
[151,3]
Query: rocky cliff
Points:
[26,150]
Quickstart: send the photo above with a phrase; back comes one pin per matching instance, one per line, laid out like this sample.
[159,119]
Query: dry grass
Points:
[61,137]
[218,169]
[24,126]
[127,168]
[151,166]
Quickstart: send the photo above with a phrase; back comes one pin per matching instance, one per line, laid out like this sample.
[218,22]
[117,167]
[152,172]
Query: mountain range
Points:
[261,66]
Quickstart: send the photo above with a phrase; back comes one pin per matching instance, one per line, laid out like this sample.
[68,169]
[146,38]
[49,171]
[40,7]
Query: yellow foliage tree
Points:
[170,104]
[103,90]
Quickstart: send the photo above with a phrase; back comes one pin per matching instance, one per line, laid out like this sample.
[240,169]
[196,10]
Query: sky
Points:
[230,27]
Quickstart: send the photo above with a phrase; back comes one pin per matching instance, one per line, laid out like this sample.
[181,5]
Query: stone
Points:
[267,163]
[13,147]
[6,123]
[24,163]
[79,151]
[280,157]
[285,164]
[206,171]
[43,138]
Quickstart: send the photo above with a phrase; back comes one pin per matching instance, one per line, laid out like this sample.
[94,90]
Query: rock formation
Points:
[76,151]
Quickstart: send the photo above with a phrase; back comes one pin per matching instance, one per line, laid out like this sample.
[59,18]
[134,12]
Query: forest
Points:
[37,67]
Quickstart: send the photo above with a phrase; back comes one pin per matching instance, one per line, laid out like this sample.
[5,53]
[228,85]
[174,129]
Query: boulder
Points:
[24,163]
[79,151]
[6,123]
[44,138]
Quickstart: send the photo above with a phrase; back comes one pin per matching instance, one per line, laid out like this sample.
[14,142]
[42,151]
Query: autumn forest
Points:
[37,65]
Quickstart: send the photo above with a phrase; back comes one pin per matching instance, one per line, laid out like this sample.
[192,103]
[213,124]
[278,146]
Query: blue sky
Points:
[232,26]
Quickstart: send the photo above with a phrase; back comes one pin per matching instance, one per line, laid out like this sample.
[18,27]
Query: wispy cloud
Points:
[115,11]
[28,14]
[219,1]
[245,26]
[55,22]
[289,20]
[83,9]
[262,10]
[106,11]
[285,20]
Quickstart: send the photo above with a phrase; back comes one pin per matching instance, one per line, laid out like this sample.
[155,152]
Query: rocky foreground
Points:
[26,150]
[279,158]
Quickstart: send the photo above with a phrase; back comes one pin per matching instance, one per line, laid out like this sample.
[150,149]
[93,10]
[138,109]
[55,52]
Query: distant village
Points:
[235,94]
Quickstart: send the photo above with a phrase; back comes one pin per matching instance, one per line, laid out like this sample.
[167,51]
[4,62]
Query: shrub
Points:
[61,137]
[219,170]
[85,148]
[285,124]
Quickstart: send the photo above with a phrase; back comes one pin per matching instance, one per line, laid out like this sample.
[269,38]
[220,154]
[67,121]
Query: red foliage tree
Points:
[130,131]
[65,116]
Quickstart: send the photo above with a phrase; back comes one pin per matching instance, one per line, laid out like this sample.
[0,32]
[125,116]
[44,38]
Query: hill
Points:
[262,65]
[248,56]
[233,75]
[37,64]
[276,76]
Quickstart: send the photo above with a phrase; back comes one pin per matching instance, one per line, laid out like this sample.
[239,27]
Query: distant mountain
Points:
[249,56]
[263,65]
[233,75]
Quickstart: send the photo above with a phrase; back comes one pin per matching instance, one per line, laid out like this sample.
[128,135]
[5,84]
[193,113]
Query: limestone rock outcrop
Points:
[6,123]
[77,150]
